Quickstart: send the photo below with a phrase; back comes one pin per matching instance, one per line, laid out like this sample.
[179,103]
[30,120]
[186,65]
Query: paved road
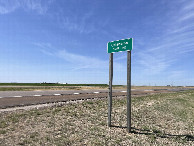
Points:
[50,92]
[67,92]
[42,97]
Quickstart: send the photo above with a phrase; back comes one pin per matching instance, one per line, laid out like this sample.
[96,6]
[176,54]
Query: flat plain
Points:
[159,119]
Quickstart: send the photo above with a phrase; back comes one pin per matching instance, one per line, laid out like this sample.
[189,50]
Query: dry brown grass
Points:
[162,119]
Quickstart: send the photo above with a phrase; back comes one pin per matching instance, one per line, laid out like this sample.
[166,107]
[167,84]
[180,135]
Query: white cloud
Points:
[188,15]
[82,61]
[76,61]
[160,56]
[79,23]
[44,47]
[188,6]
[183,29]
[154,63]
[8,6]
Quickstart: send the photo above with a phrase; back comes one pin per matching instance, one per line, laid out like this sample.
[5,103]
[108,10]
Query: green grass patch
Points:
[50,84]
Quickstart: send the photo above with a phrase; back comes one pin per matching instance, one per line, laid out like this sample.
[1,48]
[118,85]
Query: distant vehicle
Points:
[49,83]
[63,83]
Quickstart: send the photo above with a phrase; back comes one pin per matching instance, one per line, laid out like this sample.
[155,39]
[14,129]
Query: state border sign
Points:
[120,45]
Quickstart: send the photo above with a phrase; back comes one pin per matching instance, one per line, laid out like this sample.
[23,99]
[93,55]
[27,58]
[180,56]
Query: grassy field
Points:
[38,88]
[162,119]
[52,86]
[48,84]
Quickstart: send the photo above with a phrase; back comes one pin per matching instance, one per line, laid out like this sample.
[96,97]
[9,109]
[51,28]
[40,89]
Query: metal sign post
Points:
[120,46]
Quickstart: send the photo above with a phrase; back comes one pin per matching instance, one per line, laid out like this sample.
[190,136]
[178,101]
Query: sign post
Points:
[129,91]
[110,88]
[120,46]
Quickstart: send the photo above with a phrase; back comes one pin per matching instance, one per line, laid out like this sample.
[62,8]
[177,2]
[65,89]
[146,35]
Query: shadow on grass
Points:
[157,133]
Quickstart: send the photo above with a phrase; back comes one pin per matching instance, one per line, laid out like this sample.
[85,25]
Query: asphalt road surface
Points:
[25,98]
[66,92]
[49,92]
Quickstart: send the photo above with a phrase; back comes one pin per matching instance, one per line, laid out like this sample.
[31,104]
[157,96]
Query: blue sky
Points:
[66,41]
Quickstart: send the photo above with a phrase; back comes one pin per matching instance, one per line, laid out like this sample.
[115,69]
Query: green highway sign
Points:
[120,45]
